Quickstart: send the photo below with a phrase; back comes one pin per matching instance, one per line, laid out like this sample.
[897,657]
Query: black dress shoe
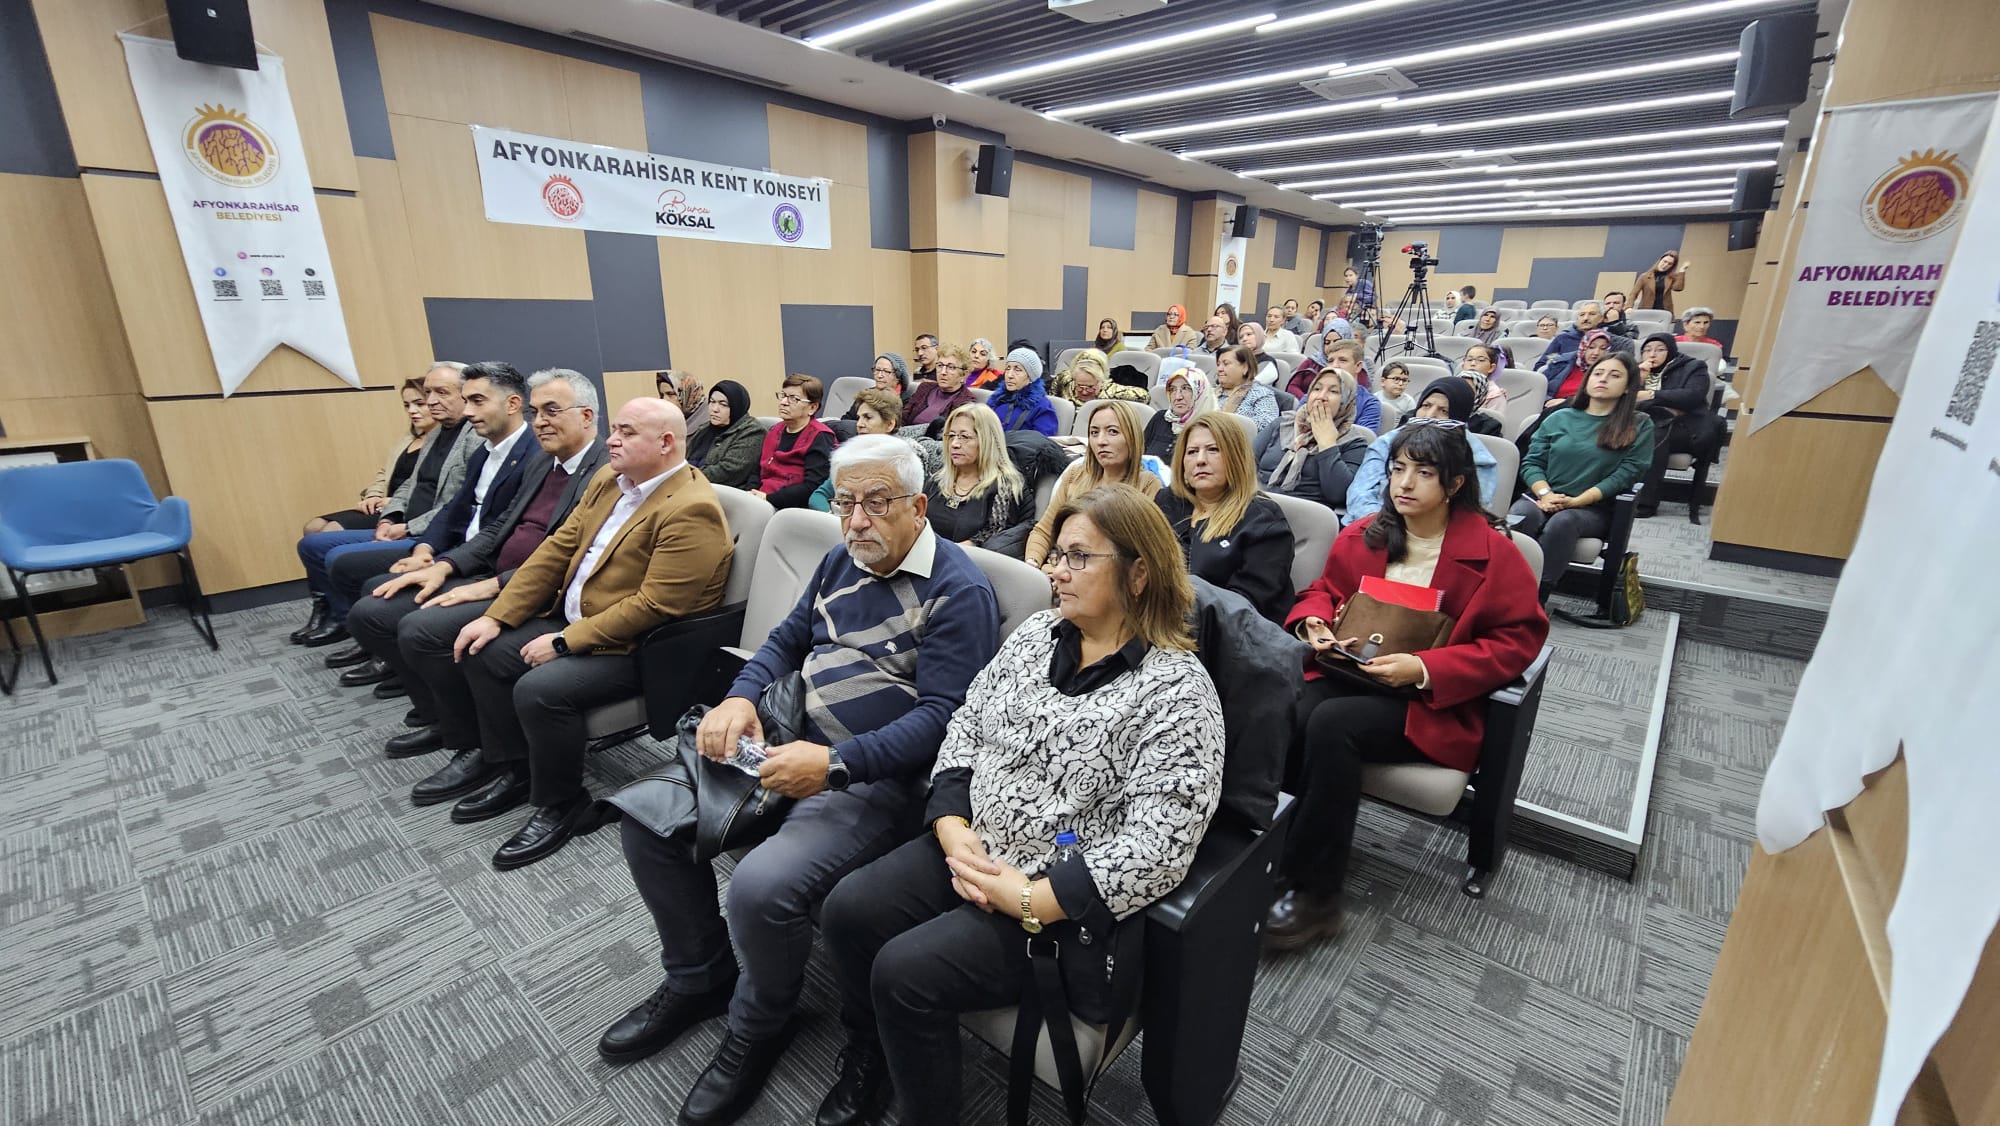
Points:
[391,689]
[343,658]
[505,789]
[733,1079]
[860,1097]
[1301,918]
[422,741]
[550,828]
[315,618]
[415,718]
[327,635]
[367,672]
[660,1019]
[467,771]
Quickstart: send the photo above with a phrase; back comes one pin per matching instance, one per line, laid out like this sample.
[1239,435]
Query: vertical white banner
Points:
[1229,274]
[234,170]
[1907,659]
[1890,183]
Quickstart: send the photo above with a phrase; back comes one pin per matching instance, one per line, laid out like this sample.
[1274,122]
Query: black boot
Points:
[1301,918]
[860,1097]
[314,621]
[659,1020]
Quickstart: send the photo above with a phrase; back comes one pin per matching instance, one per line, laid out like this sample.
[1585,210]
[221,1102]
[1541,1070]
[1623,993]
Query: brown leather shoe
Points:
[1300,918]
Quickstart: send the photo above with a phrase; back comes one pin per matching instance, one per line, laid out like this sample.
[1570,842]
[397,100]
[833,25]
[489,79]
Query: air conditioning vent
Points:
[1477,160]
[1104,11]
[1348,85]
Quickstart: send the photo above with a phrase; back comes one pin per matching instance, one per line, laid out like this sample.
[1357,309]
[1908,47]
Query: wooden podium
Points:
[1791,1030]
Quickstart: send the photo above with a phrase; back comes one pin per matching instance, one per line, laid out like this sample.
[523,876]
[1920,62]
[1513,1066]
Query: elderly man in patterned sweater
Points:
[890,631]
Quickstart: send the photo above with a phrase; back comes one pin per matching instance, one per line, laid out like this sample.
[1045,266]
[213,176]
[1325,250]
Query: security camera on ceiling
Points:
[1104,11]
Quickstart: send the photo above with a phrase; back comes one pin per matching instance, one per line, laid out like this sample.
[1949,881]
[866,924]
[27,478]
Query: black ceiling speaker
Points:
[1773,64]
[994,174]
[1753,189]
[216,32]
[1743,233]
[1245,221]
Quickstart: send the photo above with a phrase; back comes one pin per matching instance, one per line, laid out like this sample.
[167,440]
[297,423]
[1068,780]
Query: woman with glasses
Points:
[726,450]
[1314,452]
[1088,379]
[1111,456]
[1485,361]
[1188,395]
[977,494]
[797,452]
[1580,460]
[1422,707]
[875,411]
[1230,534]
[931,401]
[890,374]
[986,369]
[1096,720]
[1546,326]
[1446,403]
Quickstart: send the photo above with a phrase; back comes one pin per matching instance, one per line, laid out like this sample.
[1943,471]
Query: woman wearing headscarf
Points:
[1674,393]
[1176,332]
[1446,402]
[1485,329]
[726,450]
[1481,366]
[1314,452]
[891,373]
[986,369]
[1023,403]
[1188,394]
[1108,339]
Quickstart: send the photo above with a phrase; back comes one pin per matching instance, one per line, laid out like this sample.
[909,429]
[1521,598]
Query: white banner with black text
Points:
[234,169]
[549,182]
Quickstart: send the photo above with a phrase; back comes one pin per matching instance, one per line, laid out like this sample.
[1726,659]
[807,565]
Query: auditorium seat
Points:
[1526,348]
[1065,413]
[1064,357]
[1659,317]
[1558,306]
[1147,363]
[1526,393]
[1314,341]
[1710,354]
[840,395]
[1609,552]
[1314,527]
[1507,470]
[1454,348]
[1287,362]
[1080,426]
[1510,303]
[982,393]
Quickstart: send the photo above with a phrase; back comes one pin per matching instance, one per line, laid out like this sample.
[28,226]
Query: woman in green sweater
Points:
[1582,457]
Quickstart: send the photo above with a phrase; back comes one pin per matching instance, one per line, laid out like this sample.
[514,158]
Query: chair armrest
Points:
[171,519]
[1503,756]
[1229,852]
[672,675]
[1516,690]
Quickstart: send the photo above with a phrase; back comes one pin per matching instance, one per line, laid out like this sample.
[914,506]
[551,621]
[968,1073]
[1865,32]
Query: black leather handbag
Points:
[712,807]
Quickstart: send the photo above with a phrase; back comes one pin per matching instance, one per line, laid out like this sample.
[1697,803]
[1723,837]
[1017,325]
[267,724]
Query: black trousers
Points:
[1559,532]
[911,956]
[375,622]
[1346,728]
[1672,434]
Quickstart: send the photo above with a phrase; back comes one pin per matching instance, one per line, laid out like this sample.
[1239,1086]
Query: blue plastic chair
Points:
[82,514]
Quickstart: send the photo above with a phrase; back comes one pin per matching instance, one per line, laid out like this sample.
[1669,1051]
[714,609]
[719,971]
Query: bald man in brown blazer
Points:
[647,543]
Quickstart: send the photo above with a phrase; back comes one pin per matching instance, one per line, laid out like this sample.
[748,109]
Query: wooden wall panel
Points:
[1828,463]
[957,218]
[442,75]
[605,106]
[812,144]
[406,332]
[621,387]
[288,458]
[106,131]
[58,299]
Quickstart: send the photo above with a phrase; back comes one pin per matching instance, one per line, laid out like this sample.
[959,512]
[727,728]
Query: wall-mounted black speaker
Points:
[216,32]
[1743,233]
[1773,64]
[1244,221]
[1753,189]
[994,174]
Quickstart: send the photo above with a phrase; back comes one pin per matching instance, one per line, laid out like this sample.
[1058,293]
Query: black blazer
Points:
[1254,559]
[448,529]
[1160,437]
[477,555]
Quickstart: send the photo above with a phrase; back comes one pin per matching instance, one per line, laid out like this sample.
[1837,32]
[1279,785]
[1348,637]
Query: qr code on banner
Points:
[272,287]
[225,289]
[1973,374]
[315,288]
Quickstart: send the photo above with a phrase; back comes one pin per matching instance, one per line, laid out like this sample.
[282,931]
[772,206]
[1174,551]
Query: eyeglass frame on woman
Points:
[865,504]
[1058,557]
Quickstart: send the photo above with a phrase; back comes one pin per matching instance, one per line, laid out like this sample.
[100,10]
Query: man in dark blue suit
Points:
[496,395]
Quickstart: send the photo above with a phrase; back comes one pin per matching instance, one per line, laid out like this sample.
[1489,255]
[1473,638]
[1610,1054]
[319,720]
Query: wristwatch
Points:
[1028,921]
[836,771]
[561,646]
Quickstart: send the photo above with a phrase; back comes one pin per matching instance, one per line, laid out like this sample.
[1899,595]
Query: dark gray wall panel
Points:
[888,188]
[1145,320]
[530,334]
[1183,231]
[34,141]
[1567,279]
[1114,213]
[702,117]
[630,306]
[1635,246]
[1070,321]
[1471,249]
[828,341]
[360,79]
[1285,252]
[1255,312]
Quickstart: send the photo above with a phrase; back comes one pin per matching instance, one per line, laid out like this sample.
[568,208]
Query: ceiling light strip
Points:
[1106,54]
[1583,29]
[1509,150]
[1521,195]
[1350,183]
[1609,201]
[882,22]
[1576,212]
[1500,180]
[1328,15]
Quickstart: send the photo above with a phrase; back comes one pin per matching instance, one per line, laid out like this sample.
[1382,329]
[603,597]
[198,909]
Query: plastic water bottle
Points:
[1065,848]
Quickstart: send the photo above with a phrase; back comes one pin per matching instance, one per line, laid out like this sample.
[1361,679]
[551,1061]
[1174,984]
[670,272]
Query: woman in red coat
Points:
[1433,533]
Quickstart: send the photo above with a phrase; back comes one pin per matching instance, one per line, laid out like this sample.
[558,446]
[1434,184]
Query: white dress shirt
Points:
[496,453]
[629,499]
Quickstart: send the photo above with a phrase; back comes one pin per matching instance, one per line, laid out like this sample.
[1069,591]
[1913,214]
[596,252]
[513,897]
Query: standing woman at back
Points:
[1655,288]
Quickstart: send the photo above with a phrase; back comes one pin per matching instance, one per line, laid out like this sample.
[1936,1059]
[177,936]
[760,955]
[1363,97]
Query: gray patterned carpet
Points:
[217,906]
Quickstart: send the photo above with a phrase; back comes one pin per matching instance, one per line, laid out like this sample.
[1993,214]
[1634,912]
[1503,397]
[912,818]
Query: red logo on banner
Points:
[562,197]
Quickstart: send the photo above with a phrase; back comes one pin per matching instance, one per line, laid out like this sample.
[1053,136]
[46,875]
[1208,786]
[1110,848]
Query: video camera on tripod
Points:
[1421,260]
[1413,313]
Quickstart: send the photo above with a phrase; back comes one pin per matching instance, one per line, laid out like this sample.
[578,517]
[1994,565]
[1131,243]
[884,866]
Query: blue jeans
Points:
[313,550]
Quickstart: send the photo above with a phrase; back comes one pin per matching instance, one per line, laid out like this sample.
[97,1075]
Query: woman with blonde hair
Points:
[1070,793]
[977,493]
[1112,456]
[1088,378]
[1230,534]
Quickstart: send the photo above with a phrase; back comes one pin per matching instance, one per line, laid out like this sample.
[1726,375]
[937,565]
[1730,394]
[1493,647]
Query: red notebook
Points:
[1409,595]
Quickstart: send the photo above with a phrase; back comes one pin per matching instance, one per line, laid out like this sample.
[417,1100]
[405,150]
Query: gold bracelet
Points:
[950,817]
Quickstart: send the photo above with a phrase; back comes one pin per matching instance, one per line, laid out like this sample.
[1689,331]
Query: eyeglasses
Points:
[943,366]
[1076,560]
[844,507]
[533,413]
[1440,423]
[788,397]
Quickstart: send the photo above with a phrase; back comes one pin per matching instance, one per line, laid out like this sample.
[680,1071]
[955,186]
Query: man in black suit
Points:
[562,411]
[496,397]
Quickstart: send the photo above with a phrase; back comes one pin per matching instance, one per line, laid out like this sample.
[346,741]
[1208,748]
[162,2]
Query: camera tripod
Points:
[1413,312]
